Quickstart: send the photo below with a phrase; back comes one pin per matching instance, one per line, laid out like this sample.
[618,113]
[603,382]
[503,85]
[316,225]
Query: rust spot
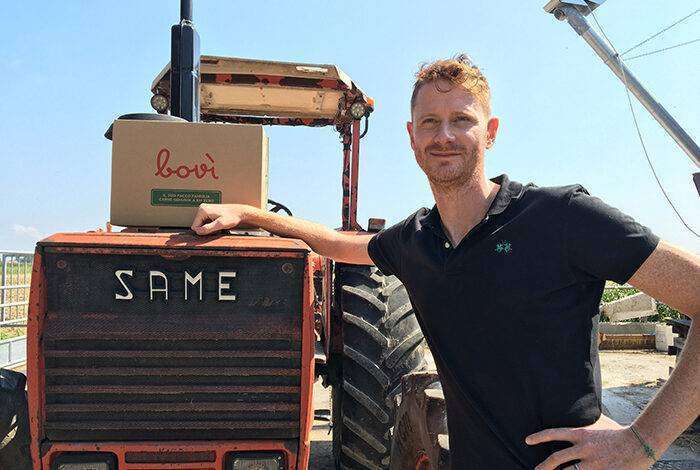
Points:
[266,302]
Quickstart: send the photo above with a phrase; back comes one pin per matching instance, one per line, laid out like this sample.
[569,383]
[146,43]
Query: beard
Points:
[449,173]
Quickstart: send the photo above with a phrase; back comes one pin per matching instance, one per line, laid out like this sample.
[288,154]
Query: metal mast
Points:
[184,66]
[575,12]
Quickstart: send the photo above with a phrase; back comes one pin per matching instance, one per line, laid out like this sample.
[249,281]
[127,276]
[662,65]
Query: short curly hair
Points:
[459,70]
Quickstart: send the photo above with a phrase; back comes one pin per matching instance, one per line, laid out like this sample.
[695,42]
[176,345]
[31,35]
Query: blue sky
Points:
[69,68]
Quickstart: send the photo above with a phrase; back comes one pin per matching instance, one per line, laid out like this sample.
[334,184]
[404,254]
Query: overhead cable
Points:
[662,50]
[656,34]
[639,132]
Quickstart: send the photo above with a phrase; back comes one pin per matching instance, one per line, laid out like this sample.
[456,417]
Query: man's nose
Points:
[444,135]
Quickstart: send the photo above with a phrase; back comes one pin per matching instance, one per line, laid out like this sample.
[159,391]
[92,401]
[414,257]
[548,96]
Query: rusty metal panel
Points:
[122,362]
[83,283]
[176,241]
[182,455]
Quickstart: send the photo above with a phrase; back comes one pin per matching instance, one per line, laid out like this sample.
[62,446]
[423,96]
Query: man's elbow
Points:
[350,249]
[671,274]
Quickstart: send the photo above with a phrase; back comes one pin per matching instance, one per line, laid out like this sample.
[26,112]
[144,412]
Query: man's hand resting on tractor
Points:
[212,218]
[348,247]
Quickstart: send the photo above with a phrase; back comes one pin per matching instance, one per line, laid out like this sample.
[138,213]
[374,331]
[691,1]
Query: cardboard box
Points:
[162,171]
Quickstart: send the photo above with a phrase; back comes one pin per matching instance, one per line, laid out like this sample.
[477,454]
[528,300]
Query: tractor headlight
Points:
[85,461]
[255,461]
[357,110]
[160,103]
[84,466]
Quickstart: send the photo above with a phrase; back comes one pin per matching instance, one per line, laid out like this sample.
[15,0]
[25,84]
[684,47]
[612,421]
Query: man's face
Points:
[450,130]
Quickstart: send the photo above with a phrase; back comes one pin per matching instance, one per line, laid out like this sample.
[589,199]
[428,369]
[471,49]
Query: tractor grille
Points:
[174,369]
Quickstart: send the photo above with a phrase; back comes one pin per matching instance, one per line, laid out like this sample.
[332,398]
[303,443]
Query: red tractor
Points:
[177,383]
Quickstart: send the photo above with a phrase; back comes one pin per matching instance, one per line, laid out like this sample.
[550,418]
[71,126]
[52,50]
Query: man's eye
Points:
[429,121]
[463,119]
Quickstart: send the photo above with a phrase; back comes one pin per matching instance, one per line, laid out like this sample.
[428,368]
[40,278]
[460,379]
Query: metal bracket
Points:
[574,13]
[583,6]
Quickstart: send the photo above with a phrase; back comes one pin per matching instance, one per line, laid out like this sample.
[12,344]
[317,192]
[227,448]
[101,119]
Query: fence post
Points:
[2,283]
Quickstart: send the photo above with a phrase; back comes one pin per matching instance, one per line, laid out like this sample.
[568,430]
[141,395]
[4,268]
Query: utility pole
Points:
[574,12]
[184,66]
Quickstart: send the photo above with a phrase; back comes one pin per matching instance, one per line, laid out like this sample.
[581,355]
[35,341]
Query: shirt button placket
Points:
[447,254]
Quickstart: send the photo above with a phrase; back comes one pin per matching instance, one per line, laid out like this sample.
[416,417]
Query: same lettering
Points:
[158,284]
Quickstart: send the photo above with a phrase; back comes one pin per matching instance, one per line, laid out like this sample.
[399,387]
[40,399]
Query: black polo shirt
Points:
[510,313]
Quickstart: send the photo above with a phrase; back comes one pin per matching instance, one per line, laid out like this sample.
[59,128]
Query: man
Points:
[506,280]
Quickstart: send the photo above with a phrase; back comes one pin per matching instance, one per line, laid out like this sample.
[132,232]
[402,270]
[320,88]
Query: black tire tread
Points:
[364,295]
[364,434]
[14,422]
[360,458]
[371,330]
[398,314]
[381,343]
[406,346]
[367,364]
[365,400]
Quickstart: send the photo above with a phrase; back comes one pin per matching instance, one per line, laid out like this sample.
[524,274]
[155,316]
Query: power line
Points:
[662,50]
[656,34]
[636,125]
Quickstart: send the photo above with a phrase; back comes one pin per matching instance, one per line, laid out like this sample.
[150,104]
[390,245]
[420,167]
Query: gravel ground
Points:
[626,368]
[630,381]
[321,445]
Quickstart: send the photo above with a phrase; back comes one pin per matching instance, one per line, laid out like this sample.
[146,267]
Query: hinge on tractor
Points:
[318,290]
[375,225]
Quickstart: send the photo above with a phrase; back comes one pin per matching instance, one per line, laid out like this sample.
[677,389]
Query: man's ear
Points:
[491,131]
[409,128]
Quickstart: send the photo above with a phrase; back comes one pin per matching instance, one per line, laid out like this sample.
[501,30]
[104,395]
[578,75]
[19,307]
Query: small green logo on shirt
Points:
[504,246]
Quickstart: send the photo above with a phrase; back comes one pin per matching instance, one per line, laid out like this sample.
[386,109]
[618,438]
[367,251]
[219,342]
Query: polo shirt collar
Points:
[508,191]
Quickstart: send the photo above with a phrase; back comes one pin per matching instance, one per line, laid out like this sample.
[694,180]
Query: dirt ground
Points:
[625,368]
[321,446]
[630,380]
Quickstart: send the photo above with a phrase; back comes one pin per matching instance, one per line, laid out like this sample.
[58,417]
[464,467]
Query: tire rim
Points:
[423,462]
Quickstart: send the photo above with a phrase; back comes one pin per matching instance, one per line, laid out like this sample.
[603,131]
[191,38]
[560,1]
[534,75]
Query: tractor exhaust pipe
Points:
[184,66]
[185,10]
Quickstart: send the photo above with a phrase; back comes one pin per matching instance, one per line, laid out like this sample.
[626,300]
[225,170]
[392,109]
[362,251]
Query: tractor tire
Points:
[382,342]
[14,422]
[421,440]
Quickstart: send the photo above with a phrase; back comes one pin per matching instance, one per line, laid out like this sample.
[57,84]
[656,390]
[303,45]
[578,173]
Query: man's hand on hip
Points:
[604,444]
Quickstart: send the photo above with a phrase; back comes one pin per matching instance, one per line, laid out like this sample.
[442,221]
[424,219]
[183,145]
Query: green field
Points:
[15,274]
[11,332]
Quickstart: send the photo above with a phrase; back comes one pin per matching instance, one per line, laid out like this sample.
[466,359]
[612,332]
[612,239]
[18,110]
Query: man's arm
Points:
[671,275]
[343,247]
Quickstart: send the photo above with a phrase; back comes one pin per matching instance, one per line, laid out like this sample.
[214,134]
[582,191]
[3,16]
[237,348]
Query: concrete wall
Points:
[13,351]
[661,331]
[641,328]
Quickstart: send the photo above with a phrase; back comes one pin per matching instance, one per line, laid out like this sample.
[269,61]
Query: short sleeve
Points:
[385,249]
[602,242]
